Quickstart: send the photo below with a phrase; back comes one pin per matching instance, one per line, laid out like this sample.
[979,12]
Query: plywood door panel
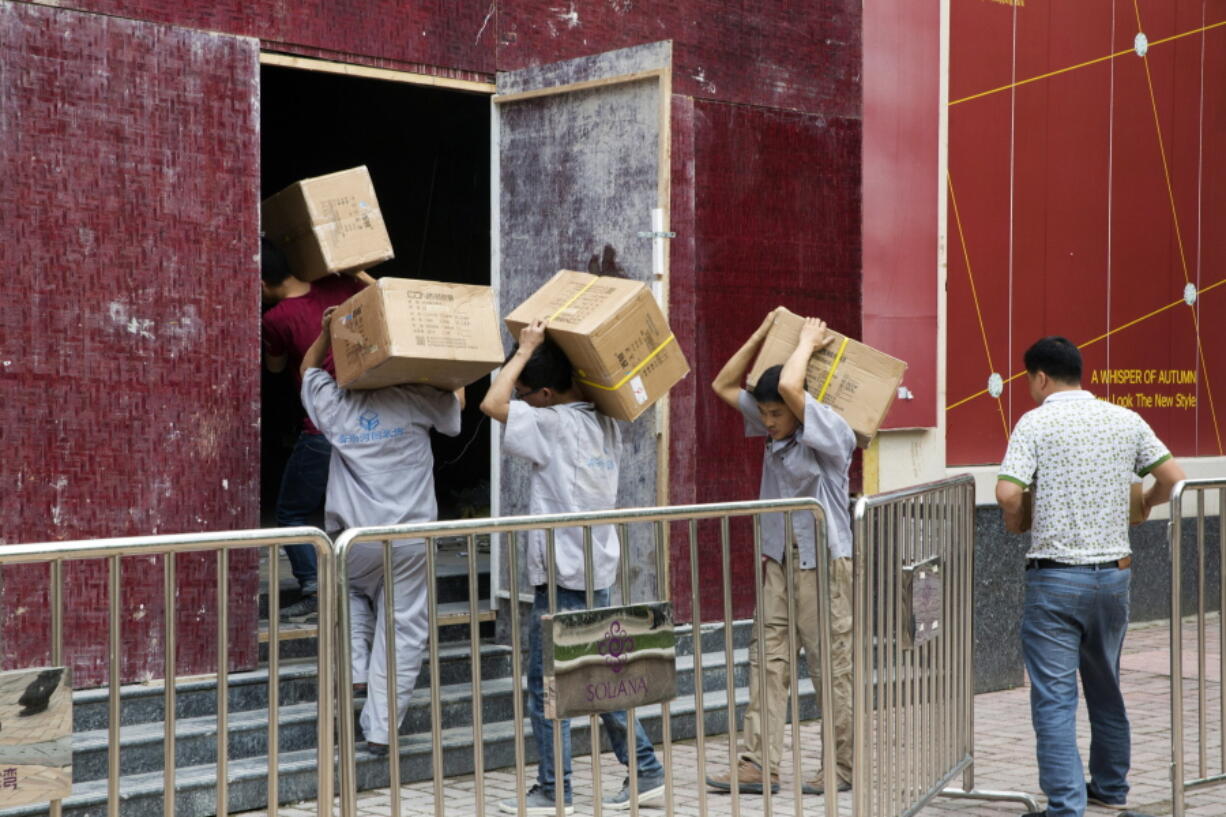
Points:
[579,174]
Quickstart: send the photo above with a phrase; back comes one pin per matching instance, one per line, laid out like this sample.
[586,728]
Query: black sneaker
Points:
[304,610]
[1042,813]
[1096,799]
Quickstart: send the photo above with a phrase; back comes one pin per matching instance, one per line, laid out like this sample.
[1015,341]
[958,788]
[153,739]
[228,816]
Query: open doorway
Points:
[428,153]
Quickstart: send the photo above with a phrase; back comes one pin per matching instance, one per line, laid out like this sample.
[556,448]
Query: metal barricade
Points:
[113,550]
[913,670]
[1207,733]
[660,521]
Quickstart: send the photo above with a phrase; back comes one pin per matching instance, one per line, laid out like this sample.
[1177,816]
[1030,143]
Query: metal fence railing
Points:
[1208,604]
[56,554]
[706,530]
[914,675]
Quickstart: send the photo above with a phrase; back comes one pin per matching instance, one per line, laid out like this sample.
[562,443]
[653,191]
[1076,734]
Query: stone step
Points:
[197,697]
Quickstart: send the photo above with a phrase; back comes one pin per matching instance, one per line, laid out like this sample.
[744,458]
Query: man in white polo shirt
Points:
[1080,454]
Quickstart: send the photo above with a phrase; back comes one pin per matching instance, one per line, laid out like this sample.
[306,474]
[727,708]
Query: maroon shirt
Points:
[292,325]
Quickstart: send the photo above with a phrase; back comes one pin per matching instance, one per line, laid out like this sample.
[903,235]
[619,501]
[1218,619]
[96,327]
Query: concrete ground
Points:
[1004,752]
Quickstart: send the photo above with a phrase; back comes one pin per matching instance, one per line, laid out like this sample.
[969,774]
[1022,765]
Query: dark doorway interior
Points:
[428,154]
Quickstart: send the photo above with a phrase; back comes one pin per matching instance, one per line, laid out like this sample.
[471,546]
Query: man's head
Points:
[1052,364]
[547,378]
[274,271]
[779,420]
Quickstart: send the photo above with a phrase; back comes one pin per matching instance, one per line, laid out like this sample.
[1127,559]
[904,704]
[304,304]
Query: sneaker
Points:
[536,802]
[1042,813]
[304,610]
[748,777]
[651,787]
[1099,800]
[376,749]
[818,786]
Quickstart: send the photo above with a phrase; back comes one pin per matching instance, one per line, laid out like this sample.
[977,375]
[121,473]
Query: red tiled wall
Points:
[129,334]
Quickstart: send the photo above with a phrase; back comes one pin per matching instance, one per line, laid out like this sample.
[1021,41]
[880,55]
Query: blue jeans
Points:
[614,723]
[1074,620]
[304,484]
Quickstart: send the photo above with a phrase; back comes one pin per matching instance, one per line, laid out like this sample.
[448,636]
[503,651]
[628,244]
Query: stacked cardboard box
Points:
[328,224]
[625,356]
[409,331]
[854,379]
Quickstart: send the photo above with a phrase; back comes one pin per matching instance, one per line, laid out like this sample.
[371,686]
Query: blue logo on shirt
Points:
[369,420]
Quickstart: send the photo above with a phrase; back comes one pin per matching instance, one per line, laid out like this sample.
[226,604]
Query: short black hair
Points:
[547,368]
[1056,357]
[274,266]
[766,390]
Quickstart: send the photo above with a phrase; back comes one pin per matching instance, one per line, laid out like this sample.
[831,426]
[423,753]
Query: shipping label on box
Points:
[854,379]
[614,334]
[410,331]
[328,224]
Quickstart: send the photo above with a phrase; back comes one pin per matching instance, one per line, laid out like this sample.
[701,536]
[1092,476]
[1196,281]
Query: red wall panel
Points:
[453,34]
[766,53]
[129,153]
[777,221]
[1103,215]
[902,74]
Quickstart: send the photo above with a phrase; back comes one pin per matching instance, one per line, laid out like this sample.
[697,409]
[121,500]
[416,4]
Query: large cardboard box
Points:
[409,331]
[328,224]
[625,356]
[854,379]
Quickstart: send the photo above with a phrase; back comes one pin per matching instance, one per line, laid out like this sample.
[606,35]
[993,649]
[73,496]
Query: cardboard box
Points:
[409,331]
[328,224]
[862,386]
[625,356]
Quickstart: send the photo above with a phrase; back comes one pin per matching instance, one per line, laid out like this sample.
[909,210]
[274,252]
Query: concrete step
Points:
[197,697]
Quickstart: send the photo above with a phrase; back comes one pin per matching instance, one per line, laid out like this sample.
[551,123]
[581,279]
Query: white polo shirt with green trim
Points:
[1080,453]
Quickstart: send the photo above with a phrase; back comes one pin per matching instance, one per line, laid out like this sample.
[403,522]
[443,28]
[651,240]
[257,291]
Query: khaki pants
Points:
[774,631]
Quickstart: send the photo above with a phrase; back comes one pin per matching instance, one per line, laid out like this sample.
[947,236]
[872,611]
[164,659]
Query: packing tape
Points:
[633,371]
[838,357]
[573,298]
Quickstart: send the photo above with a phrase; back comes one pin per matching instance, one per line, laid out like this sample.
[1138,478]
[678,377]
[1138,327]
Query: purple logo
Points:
[616,647]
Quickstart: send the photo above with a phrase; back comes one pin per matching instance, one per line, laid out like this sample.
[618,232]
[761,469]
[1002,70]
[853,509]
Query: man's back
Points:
[1081,453]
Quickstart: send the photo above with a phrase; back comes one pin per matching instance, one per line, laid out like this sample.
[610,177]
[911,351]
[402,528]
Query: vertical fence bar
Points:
[478,713]
[623,541]
[825,632]
[517,670]
[170,668]
[344,681]
[1201,692]
[861,796]
[760,646]
[559,777]
[56,601]
[325,729]
[872,530]
[114,656]
[223,681]
[391,682]
[700,731]
[966,623]
[589,601]
[274,677]
[666,721]
[789,577]
[1221,628]
[436,701]
[725,555]
[1176,650]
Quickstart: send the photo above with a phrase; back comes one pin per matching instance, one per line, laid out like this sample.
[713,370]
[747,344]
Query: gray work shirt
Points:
[812,462]
[382,468]
[575,452]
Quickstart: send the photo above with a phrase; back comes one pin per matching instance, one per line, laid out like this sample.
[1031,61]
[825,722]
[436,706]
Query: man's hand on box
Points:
[766,324]
[814,334]
[325,327]
[532,335]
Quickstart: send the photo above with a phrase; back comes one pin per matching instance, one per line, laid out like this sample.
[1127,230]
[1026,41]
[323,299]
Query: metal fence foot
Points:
[983,794]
